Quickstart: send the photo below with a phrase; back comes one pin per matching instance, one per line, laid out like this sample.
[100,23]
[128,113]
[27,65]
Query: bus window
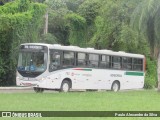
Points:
[55,60]
[116,62]
[127,63]
[137,61]
[81,59]
[68,59]
[93,60]
[137,64]
[108,60]
[104,61]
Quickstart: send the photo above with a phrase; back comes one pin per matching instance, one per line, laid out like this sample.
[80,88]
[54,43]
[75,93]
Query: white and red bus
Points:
[46,66]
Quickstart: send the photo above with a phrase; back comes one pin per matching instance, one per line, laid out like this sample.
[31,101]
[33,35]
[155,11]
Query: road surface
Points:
[20,90]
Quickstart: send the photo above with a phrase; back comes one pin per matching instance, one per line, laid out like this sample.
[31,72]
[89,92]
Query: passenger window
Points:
[55,60]
[138,64]
[68,58]
[127,63]
[81,59]
[116,62]
[108,60]
[104,61]
[93,60]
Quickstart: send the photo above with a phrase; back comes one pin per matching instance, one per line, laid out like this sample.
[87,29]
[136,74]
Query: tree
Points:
[112,29]
[2,2]
[77,27]
[57,9]
[89,10]
[73,4]
[20,22]
[40,1]
[146,19]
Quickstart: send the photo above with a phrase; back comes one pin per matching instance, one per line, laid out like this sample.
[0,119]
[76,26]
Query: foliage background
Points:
[20,21]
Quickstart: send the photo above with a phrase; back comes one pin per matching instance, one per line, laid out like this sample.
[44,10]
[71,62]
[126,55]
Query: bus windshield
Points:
[32,63]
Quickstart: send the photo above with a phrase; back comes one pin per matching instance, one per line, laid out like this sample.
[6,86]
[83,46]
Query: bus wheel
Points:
[38,90]
[65,86]
[115,86]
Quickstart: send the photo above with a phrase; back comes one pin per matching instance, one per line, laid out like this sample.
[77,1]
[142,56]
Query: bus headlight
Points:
[41,79]
[19,78]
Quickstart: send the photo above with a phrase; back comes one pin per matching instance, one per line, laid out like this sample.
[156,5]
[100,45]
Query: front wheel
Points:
[115,86]
[65,86]
[38,90]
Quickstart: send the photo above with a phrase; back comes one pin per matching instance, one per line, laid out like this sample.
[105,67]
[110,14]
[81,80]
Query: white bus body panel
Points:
[86,78]
[89,79]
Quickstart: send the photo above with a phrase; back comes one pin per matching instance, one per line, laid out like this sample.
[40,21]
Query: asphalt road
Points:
[21,90]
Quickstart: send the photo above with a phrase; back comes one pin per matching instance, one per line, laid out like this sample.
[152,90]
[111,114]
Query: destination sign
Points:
[37,47]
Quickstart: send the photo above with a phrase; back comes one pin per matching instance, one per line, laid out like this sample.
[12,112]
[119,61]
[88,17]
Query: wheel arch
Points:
[117,82]
[69,80]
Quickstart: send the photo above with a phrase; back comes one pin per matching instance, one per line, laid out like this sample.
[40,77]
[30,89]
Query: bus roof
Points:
[87,50]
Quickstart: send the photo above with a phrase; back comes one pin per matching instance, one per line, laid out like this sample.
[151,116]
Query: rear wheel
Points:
[115,86]
[65,86]
[38,90]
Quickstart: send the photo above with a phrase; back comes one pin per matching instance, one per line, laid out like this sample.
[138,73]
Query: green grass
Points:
[147,100]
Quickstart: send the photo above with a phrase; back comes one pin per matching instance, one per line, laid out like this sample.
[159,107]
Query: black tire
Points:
[38,90]
[65,86]
[115,86]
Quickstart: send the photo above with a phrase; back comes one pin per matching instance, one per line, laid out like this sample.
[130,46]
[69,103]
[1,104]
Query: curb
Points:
[16,88]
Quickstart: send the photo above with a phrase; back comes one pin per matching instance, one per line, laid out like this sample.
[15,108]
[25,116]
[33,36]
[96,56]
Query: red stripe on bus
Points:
[83,69]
